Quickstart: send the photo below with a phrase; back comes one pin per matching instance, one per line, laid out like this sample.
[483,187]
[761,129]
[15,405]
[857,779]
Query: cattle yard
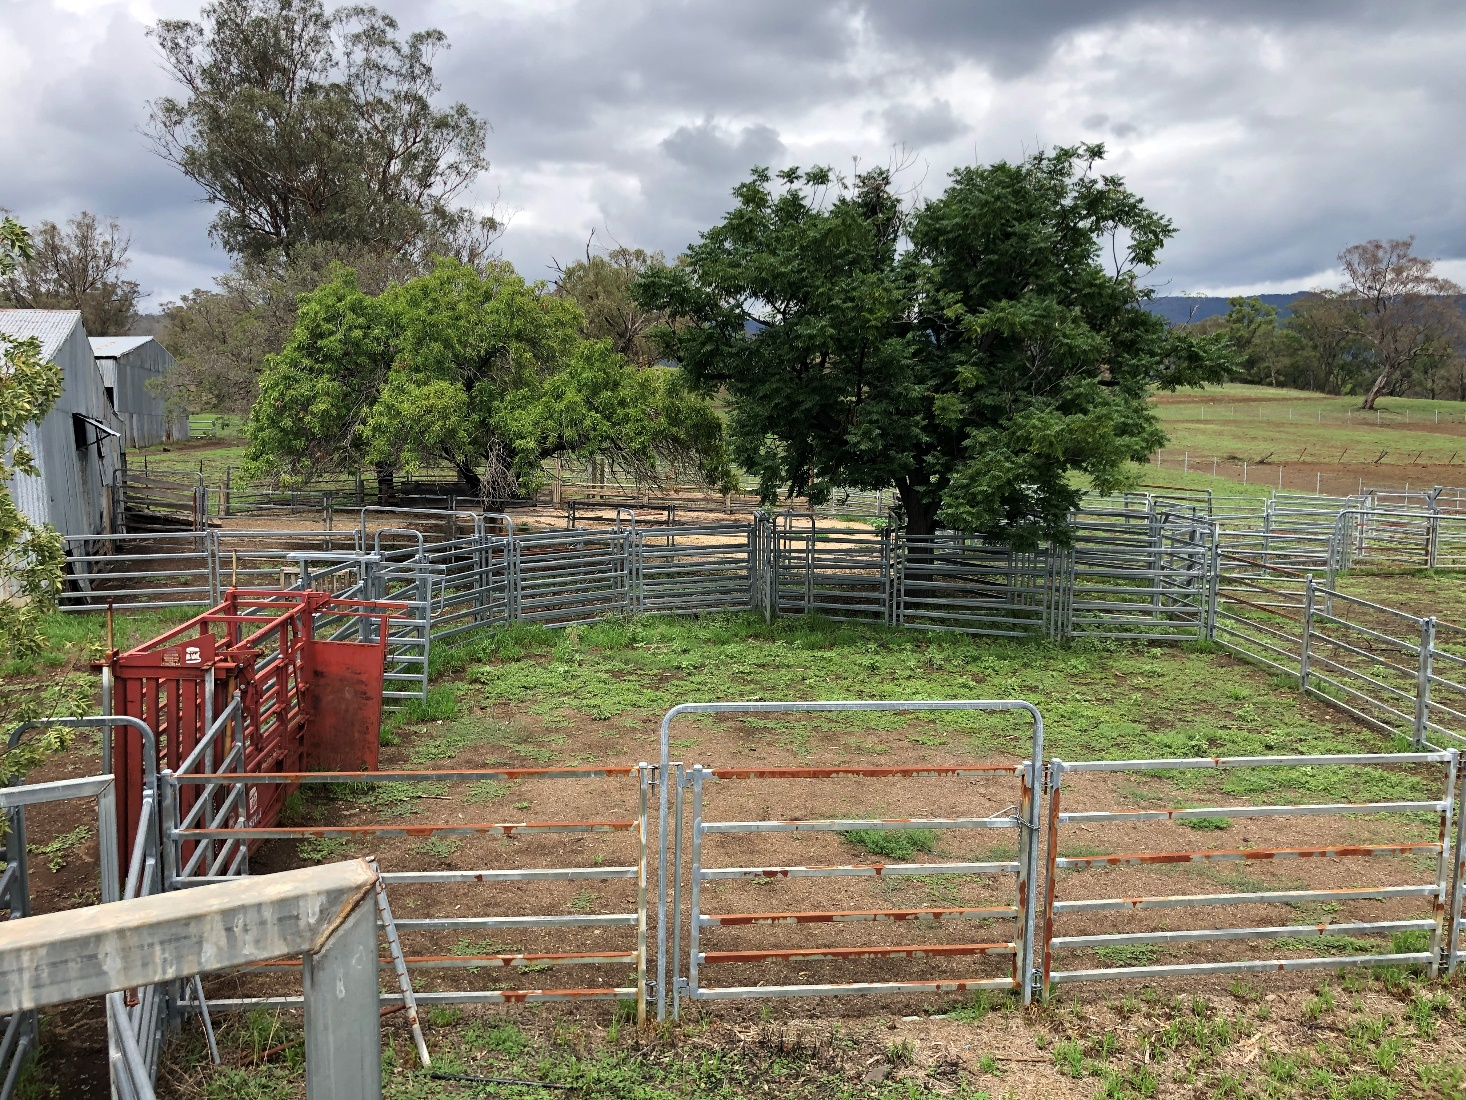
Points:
[1130,812]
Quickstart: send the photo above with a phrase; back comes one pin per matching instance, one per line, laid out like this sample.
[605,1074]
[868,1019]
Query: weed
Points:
[988,1064]
[401,799]
[1422,1012]
[1316,1006]
[1328,945]
[503,1039]
[1069,1057]
[56,851]
[1206,824]
[1137,1081]
[1282,1068]
[977,1006]
[320,849]
[440,847]
[1446,1079]
[901,1053]
[486,790]
[1244,991]
[583,902]
[1137,954]
[897,844]
[1369,1086]
[450,741]
[1387,1054]
[442,1016]
[1410,941]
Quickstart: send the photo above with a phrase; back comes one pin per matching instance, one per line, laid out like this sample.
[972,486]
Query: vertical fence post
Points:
[643,772]
[342,1036]
[1441,904]
[1305,651]
[1422,688]
[888,578]
[1458,888]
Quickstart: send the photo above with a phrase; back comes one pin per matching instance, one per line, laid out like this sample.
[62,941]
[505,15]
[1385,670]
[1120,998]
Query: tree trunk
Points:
[1381,384]
[921,523]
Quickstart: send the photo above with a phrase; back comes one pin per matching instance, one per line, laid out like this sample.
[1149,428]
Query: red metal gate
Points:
[308,700]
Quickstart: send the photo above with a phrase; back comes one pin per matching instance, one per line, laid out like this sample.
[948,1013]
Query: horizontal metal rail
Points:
[1435,893]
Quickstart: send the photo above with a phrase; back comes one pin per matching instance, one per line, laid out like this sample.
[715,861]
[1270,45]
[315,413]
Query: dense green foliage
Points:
[1392,329]
[474,368]
[973,352]
[307,125]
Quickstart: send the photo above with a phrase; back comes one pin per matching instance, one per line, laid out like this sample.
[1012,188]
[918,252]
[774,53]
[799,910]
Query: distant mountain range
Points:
[1179,310]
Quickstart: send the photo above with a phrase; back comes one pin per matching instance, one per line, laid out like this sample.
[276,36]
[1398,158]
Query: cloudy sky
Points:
[1273,133]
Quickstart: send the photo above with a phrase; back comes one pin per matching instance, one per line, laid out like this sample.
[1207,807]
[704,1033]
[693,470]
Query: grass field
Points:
[1320,441]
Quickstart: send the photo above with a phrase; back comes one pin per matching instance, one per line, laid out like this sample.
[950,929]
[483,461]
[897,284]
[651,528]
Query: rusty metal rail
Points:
[1440,893]
[177,838]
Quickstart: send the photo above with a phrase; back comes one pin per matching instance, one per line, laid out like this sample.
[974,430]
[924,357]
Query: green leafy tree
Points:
[80,266]
[1332,359]
[975,353]
[302,124]
[601,286]
[1402,313]
[1252,325]
[31,555]
[475,369]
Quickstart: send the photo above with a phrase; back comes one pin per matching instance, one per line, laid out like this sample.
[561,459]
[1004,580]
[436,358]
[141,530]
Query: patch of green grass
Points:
[446,742]
[323,849]
[1134,954]
[1206,824]
[1100,701]
[401,799]
[583,902]
[503,1039]
[1328,945]
[439,847]
[57,851]
[1409,940]
[897,844]
[486,790]
[440,705]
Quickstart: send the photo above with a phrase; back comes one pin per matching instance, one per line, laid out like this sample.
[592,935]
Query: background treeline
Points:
[1394,328]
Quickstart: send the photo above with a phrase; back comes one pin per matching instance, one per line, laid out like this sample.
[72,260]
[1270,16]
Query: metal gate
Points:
[1024,818]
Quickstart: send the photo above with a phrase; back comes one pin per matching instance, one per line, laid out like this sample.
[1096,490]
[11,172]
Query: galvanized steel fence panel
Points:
[1437,893]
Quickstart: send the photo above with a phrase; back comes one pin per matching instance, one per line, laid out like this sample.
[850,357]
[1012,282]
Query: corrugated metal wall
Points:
[76,481]
[142,411]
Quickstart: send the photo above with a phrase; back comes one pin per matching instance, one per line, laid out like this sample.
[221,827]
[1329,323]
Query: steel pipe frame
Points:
[1028,848]
[22,1032]
[1444,905]
[643,772]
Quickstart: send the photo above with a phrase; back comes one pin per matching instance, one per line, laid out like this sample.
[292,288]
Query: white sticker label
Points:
[192,656]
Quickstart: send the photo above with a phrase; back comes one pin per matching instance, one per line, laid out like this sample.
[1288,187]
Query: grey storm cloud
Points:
[1273,134]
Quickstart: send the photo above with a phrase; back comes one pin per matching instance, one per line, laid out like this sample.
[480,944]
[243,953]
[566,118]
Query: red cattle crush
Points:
[308,703]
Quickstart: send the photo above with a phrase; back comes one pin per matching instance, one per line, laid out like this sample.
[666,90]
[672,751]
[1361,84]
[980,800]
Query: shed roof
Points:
[50,326]
[110,347]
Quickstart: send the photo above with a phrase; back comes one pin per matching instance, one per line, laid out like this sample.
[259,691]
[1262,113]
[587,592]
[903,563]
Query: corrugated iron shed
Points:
[131,367]
[78,445]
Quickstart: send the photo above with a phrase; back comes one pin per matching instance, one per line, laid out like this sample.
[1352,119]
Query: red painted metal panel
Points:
[345,706]
[293,690]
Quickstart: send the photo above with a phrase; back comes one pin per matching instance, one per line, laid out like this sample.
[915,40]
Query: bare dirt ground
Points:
[942,1057]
